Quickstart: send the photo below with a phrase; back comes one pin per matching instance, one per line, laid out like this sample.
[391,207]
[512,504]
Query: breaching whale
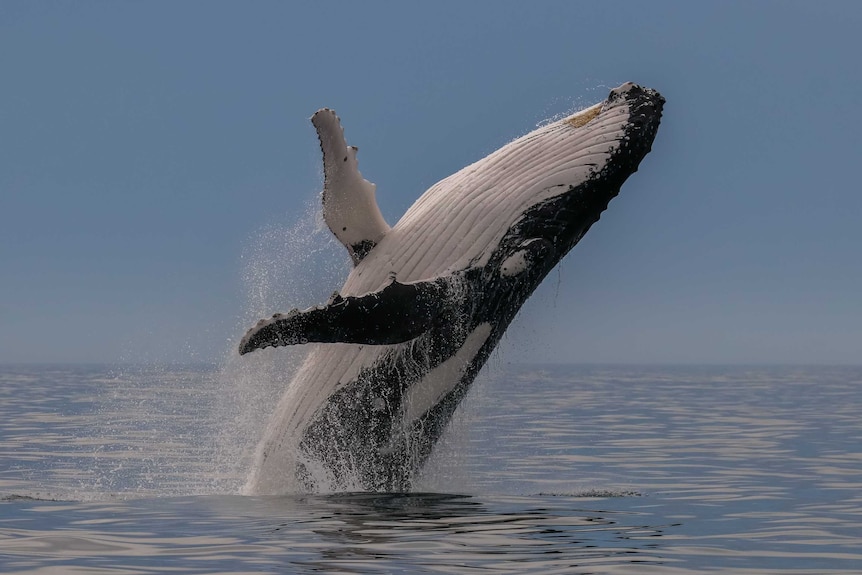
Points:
[428,299]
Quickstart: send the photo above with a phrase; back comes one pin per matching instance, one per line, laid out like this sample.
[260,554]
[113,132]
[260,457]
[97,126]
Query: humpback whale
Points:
[397,347]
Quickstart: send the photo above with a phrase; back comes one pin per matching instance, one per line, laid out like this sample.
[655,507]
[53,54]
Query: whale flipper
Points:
[397,313]
[349,205]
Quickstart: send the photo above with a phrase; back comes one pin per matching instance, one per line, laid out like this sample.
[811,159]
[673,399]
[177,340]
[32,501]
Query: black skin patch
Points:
[397,313]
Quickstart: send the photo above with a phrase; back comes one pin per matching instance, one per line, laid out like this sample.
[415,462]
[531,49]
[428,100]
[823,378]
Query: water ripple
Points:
[557,469]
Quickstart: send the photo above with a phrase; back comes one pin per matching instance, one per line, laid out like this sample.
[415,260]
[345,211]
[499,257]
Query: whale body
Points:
[397,347]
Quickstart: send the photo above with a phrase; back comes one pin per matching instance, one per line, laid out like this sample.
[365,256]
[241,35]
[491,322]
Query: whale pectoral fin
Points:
[397,313]
[349,204]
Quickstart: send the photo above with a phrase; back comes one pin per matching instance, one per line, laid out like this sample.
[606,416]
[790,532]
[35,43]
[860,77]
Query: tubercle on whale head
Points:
[631,93]
[644,115]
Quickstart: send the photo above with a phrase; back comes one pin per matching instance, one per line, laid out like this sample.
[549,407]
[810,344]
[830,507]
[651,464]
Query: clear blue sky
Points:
[154,156]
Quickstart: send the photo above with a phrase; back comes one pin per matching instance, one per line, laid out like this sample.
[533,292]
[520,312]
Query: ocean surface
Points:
[546,469]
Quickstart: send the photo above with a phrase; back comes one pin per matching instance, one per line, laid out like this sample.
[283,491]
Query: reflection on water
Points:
[456,534]
[568,470]
[353,533]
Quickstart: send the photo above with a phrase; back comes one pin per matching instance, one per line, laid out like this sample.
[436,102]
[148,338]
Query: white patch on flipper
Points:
[425,394]
[349,203]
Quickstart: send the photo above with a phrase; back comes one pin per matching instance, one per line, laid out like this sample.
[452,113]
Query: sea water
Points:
[545,469]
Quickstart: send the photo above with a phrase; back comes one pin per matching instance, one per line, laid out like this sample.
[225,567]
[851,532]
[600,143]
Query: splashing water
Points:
[284,268]
[161,429]
[292,267]
[206,421]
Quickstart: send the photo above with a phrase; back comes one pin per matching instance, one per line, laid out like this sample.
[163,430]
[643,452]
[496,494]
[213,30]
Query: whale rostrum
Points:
[397,347]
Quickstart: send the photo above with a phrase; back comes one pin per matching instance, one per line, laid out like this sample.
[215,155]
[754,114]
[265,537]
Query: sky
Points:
[159,175]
